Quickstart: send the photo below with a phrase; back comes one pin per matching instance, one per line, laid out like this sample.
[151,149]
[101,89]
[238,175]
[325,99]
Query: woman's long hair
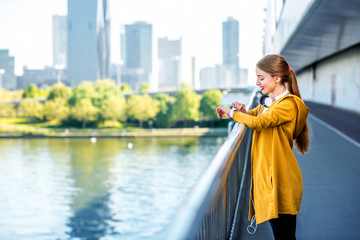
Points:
[276,65]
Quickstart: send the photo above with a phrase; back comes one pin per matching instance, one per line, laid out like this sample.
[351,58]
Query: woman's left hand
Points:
[223,112]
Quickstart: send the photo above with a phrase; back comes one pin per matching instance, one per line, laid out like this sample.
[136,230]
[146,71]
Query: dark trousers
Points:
[284,227]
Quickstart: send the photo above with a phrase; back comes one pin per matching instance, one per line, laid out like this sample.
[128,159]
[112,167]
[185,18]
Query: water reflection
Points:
[75,189]
[90,171]
[92,221]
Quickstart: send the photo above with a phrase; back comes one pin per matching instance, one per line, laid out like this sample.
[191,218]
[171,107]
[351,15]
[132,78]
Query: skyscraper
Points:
[59,30]
[169,52]
[230,31]
[88,40]
[139,46]
[136,46]
[7,63]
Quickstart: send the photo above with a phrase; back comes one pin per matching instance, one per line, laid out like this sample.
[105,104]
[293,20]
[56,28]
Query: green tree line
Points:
[103,104]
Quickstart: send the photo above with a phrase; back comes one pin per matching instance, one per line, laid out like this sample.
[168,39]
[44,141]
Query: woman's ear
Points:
[278,79]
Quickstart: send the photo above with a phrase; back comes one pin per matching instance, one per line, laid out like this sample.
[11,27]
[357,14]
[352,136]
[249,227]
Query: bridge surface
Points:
[330,207]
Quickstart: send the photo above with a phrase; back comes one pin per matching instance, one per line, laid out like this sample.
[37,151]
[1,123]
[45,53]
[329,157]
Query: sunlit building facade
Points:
[88,57]
[169,53]
[211,77]
[208,78]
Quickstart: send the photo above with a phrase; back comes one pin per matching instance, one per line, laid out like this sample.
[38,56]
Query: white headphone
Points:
[266,100]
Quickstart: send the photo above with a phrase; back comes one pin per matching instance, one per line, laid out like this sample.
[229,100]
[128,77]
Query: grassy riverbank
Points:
[22,127]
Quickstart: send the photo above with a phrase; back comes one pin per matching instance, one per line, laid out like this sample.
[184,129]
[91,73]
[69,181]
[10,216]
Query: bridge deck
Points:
[331,176]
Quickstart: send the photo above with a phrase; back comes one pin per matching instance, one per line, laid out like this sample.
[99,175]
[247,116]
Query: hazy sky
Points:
[26,27]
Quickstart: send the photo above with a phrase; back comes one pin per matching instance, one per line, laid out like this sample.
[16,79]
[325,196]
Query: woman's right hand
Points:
[223,112]
[239,106]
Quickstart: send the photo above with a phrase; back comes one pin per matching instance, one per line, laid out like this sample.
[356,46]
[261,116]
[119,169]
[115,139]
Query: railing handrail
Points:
[208,185]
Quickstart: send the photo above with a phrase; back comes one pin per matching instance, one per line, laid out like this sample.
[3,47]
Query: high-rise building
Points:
[59,30]
[88,51]
[230,31]
[169,53]
[7,64]
[136,46]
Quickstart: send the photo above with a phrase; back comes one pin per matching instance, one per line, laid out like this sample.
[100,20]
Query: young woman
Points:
[276,188]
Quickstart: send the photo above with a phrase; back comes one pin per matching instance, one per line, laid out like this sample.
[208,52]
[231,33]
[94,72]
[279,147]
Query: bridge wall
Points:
[334,81]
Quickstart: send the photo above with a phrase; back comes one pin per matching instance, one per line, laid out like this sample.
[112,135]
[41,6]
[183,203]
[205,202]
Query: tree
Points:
[11,95]
[125,87]
[61,91]
[185,86]
[83,91]
[84,111]
[166,102]
[144,87]
[104,89]
[142,108]
[43,92]
[186,106]
[208,104]
[31,108]
[56,110]
[7,110]
[16,94]
[114,109]
[105,83]
[30,92]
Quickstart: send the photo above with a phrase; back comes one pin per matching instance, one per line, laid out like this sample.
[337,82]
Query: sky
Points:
[26,28]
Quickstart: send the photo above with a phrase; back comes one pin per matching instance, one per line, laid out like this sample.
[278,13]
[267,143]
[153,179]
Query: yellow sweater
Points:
[276,176]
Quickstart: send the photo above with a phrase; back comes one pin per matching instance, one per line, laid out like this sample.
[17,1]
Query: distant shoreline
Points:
[178,132]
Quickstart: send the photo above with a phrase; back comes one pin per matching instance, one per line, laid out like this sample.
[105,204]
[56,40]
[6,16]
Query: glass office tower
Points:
[139,46]
[231,71]
[136,46]
[88,40]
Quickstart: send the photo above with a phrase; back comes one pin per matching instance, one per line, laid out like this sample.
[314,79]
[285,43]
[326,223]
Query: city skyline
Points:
[198,24]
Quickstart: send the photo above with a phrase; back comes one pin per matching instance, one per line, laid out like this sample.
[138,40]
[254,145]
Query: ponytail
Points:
[276,65]
[292,84]
[302,142]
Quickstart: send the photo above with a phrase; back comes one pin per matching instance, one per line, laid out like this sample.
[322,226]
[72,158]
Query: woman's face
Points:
[265,81]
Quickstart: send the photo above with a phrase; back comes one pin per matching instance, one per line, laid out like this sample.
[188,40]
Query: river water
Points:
[115,188]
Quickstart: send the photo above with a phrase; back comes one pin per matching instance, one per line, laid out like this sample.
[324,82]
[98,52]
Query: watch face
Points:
[268,102]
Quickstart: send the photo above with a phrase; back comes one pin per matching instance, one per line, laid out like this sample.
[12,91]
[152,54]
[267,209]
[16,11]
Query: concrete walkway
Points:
[345,121]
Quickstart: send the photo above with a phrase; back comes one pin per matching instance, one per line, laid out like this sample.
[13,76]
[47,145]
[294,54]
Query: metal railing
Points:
[212,210]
